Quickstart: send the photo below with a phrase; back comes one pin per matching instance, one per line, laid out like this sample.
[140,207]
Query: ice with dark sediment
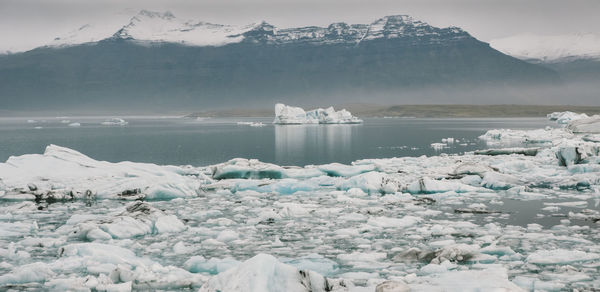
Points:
[437,223]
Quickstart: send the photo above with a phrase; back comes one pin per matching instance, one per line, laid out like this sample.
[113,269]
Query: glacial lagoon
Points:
[324,207]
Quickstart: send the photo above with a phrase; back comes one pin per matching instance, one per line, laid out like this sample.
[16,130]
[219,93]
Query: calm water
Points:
[181,141]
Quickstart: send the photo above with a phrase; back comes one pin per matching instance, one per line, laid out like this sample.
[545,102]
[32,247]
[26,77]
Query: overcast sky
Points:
[31,22]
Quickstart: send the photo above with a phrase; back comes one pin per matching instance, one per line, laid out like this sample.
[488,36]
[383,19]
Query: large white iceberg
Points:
[63,174]
[565,117]
[266,274]
[289,115]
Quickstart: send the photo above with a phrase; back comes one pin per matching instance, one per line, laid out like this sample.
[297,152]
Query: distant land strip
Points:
[424,111]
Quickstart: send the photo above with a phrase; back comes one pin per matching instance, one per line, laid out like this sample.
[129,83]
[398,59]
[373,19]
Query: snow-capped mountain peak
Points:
[151,26]
[550,48]
[167,15]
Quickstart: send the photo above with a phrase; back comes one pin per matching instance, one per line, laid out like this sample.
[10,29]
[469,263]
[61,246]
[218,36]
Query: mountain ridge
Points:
[395,59]
[155,27]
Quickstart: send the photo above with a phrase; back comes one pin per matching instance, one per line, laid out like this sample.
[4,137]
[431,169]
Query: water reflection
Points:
[312,144]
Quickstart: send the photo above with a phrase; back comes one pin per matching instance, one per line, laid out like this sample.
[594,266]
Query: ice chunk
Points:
[387,222]
[74,125]
[65,174]
[455,252]
[265,273]
[247,169]
[442,267]
[590,125]
[314,262]
[472,169]
[289,115]
[114,122]
[499,181]
[491,279]
[35,272]
[392,286]
[122,266]
[439,146]
[251,124]
[198,264]
[509,151]
[535,137]
[337,169]
[560,257]
[138,219]
[357,257]
[13,229]
[576,153]
[427,185]
[371,182]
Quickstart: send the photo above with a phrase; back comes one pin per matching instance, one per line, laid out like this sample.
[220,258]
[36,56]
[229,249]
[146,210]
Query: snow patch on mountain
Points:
[550,48]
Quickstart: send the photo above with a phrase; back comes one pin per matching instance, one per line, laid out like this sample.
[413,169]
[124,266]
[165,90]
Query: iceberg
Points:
[65,174]
[565,117]
[289,115]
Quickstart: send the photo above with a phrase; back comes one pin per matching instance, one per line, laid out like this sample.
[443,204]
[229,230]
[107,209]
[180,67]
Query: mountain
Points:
[159,27]
[159,61]
[550,48]
[575,57]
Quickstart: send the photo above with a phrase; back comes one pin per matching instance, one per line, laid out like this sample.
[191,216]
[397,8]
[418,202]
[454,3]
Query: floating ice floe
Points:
[74,125]
[439,146]
[252,124]
[289,115]
[114,122]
